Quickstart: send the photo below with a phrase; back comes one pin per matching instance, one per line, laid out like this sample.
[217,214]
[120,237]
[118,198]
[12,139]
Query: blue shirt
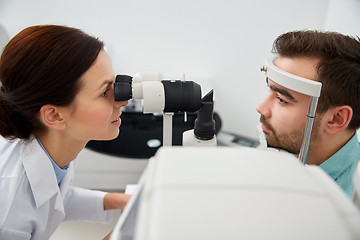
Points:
[341,166]
[60,172]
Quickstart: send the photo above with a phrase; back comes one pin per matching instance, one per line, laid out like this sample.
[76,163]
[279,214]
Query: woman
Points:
[56,95]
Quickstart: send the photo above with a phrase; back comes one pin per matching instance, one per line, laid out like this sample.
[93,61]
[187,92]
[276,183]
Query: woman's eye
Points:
[104,93]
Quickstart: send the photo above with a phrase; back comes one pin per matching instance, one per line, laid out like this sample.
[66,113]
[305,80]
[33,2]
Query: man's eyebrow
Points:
[282,91]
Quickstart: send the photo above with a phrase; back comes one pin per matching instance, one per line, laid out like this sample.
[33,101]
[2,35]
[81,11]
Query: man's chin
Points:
[287,149]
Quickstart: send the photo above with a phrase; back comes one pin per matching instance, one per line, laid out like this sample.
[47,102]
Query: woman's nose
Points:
[120,104]
[264,107]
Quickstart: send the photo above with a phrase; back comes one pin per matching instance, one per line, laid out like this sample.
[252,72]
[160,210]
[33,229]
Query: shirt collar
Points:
[60,172]
[342,159]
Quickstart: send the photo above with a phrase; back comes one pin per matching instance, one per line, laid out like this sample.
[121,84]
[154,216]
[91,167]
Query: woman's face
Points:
[94,114]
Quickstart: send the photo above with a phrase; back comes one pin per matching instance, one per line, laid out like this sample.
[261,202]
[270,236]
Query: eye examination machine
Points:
[167,97]
[203,191]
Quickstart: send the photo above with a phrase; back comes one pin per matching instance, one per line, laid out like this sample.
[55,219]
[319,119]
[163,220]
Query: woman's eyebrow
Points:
[106,82]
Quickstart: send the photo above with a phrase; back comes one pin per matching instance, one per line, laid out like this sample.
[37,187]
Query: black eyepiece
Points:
[123,88]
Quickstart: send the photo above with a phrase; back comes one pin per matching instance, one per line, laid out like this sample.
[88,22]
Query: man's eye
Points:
[280,100]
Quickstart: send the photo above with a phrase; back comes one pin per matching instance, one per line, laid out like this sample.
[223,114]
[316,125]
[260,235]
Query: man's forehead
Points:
[287,74]
[301,66]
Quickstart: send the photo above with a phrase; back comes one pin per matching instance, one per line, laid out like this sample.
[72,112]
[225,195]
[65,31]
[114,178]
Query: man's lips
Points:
[265,128]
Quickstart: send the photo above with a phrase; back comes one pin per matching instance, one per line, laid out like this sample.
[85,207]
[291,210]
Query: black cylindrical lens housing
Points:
[204,127]
[123,88]
[182,96]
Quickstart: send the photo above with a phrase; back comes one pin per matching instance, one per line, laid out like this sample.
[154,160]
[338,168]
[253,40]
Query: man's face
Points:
[283,111]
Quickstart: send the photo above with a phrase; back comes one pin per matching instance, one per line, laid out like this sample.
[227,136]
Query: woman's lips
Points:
[116,121]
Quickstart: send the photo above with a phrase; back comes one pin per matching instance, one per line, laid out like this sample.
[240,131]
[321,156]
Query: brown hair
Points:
[338,69]
[41,65]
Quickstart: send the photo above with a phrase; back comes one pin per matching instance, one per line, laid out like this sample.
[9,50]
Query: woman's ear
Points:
[338,119]
[52,117]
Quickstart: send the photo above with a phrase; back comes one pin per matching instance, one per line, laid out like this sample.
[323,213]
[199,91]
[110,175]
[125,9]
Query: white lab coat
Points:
[31,203]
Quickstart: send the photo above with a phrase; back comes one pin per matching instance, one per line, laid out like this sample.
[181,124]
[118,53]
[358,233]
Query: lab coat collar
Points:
[67,180]
[40,173]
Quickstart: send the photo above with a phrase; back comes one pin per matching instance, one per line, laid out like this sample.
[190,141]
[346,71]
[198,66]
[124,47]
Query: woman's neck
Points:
[62,149]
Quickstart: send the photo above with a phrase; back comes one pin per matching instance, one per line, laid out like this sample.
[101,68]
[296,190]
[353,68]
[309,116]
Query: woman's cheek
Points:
[102,116]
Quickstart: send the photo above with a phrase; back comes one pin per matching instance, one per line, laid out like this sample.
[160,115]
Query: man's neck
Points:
[321,150]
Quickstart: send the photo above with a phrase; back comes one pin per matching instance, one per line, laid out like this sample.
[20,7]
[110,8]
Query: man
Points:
[334,60]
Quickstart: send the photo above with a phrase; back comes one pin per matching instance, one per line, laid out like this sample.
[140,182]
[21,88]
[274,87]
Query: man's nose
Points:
[264,108]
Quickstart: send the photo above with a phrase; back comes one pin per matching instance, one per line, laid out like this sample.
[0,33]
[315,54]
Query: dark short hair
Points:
[338,69]
[41,65]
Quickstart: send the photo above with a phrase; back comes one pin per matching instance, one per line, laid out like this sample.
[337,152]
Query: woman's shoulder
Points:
[11,154]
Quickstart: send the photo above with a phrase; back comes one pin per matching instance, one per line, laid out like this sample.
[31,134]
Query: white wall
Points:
[220,43]
[344,16]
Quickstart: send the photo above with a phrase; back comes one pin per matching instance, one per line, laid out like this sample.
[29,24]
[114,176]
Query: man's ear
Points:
[338,119]
[52,117]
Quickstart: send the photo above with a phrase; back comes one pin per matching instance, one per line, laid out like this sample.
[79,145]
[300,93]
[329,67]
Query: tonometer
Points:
[305,86]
